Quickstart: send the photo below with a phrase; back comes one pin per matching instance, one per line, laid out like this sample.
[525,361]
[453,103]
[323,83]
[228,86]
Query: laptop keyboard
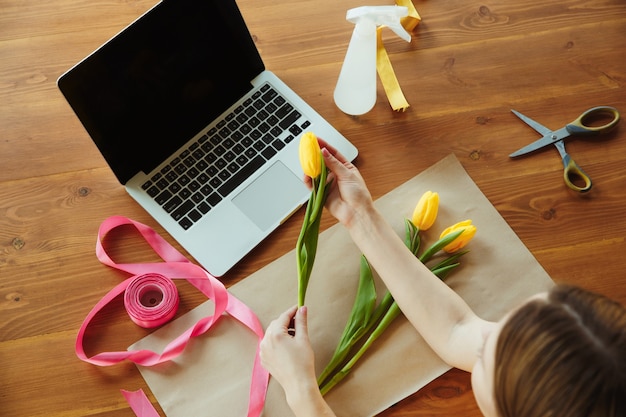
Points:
[199,177]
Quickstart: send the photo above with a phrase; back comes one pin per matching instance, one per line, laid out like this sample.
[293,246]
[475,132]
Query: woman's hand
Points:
[287,354]
[286,350]
[348,195]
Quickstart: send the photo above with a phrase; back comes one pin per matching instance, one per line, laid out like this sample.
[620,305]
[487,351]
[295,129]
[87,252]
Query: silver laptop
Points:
[201,135]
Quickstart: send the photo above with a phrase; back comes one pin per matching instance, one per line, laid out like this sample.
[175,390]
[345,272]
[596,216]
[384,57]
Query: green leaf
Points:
[388,318]
[442,273]
[411,236]
[358,322]
[449,260]
[438,245]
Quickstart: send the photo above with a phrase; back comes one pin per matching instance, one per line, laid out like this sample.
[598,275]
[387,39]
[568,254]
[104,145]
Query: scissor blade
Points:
[530,122]
[538,127]
[540,143]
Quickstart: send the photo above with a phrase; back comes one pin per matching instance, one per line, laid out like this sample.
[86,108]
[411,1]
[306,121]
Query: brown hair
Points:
[563,356]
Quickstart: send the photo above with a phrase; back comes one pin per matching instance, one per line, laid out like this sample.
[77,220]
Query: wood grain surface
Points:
[469,64]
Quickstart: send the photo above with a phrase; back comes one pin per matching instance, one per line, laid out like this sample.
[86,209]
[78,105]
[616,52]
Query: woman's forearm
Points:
[436,311]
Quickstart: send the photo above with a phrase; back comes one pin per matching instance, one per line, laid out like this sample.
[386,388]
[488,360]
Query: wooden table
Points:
[469,63]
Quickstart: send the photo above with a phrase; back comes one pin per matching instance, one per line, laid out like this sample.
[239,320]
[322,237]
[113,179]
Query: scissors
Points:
[572,173]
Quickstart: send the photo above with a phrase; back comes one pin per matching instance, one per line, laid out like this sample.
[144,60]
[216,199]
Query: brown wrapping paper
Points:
[212,376]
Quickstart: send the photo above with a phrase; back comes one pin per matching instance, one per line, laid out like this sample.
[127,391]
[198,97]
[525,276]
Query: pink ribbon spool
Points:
[151,300]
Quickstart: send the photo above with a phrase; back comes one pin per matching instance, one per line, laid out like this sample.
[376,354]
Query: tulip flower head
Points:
[310,155]
[425,212]
[468,230]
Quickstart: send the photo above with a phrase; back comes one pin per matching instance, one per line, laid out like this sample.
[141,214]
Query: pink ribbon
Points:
[175,266]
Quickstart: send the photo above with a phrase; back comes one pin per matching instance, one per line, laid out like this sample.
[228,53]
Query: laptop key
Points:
[258,146]
[185,193]
[183,180]
[197,198]
[171,176]
[215,182]
[213,199]
[204,207]
[255,134]
[163,197]
[182,210]
[289,120]
[262,114]
[241,176]
[278,144]
[185,223]
[229,156]
[172,204]
[153,191]
[174,188]
[269,95]
[268,152]
[224,175]
[180,169]
[233,167]
[284,111]
[295,130]
[241,159]
[195,215]
[271,107]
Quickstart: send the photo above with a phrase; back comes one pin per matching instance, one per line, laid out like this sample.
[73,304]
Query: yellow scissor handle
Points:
[574,176]
[582,125]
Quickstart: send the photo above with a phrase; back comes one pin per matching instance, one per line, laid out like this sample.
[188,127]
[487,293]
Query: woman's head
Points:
[562,355]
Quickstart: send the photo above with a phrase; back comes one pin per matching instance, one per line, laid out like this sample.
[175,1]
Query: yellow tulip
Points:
[425,212]
[468,232]
[310,155]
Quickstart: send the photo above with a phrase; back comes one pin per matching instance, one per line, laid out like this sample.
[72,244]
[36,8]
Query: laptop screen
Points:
[155,85]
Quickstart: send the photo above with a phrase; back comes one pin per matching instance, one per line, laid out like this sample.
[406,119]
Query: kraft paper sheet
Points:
[212,376]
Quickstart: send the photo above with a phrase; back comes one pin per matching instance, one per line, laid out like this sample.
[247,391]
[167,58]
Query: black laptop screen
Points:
[154,86]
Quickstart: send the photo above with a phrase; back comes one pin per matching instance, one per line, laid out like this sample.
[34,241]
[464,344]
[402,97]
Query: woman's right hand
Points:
[348,195]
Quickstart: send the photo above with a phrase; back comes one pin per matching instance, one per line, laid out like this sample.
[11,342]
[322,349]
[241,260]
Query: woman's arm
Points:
[439,314]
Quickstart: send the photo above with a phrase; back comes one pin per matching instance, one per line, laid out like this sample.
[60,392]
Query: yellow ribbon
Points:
[383,64]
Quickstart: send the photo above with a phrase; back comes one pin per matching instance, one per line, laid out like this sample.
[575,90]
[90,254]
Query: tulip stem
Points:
[306,246]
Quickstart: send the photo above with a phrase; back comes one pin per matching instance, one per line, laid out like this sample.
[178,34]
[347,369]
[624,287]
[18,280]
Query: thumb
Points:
[301,323]
[335,165]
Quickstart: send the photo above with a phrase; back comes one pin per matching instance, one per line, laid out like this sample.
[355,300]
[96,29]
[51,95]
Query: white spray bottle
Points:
[355,93]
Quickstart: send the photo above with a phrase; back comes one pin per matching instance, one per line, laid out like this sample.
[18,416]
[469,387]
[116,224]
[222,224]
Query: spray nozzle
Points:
[355,92]
[381,16]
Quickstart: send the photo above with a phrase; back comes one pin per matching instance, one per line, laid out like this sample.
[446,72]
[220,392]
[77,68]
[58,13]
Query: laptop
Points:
[203,137]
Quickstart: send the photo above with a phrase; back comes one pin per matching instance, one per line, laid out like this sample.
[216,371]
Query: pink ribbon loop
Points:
[151,300]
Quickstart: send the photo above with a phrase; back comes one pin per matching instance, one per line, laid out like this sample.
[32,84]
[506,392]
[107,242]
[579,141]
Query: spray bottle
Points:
[355,93]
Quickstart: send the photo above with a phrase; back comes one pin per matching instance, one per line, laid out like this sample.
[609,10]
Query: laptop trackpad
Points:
[272,196]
